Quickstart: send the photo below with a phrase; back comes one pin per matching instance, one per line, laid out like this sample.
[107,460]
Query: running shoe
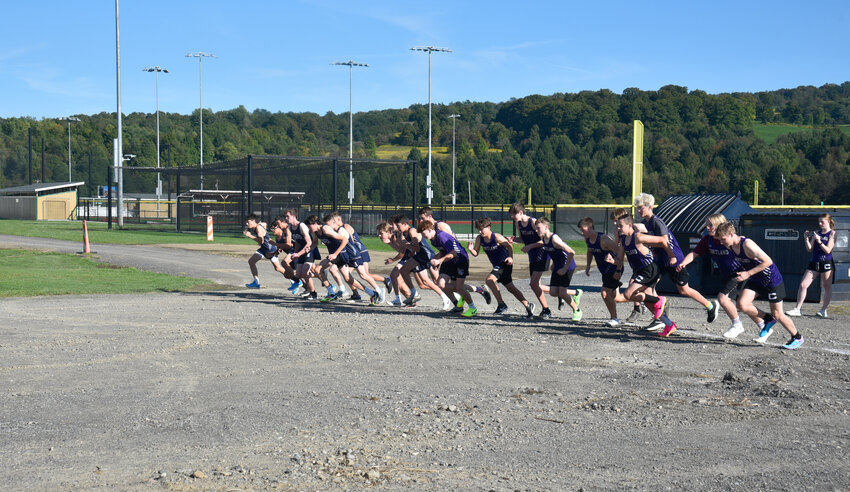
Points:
[310,295]
[417,297]
[561,303]
[529,310]
[383,295]
[577,297]
[253,285]
[734,331]
[485,292]
[654,325]
[711,313]
[294,286]
[793,312]
[396,302]
[577,315]
[794,343]
[457,310]
[501,309]
[375,298]
[668,330]
[447,305]
[658,307]
[355,297]
[470,312]
[545,313]
[822,313]
[764,333]
[612,323]
[634,316]
[327,298]
[388,283]
[410,301]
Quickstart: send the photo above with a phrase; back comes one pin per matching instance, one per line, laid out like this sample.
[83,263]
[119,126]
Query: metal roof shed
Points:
[42,201]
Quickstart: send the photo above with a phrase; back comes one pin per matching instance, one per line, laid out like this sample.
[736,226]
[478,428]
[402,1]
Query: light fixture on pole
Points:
[156,71]
[429,191]
[70,119]
[200,55]
[351,65]
[454,118]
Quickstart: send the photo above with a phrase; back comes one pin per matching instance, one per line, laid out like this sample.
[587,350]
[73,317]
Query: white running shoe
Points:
[822,313]
[383,295]
[612,323]
[793,312]
[447,305]
[734,331]
[395,302]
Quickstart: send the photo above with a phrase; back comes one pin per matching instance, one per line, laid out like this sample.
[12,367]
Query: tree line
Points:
[566,147]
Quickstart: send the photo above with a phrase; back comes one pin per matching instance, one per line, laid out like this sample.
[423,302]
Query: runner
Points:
[819,244]
[340,250]
[563,267]
[762,278]
[729,266]
[637,308]
[603,249]
[636,247]
[256,231]
[304,252]
[501,255]
[283,241]
[427,213]
[537,258]
[360,264]
[389,234]
[453,263]
[419,259]
[667,261]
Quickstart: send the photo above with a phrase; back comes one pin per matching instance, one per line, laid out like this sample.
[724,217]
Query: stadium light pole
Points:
[156,71]
[454,118]
[70,119]
[200,55]
[351,64]
[119,140]
[429,191]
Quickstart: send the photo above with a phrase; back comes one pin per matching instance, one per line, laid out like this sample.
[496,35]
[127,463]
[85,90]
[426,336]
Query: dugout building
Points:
[43,201]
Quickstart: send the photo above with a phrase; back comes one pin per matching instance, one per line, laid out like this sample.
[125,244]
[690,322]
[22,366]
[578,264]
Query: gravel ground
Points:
[252,390]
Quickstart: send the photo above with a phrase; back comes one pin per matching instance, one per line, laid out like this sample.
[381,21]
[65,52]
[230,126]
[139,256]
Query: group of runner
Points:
[429,256]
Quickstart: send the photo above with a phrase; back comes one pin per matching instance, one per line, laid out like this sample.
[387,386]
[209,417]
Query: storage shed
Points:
[43,201]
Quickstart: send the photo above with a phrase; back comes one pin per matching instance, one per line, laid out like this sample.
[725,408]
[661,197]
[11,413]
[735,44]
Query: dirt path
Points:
[255,390]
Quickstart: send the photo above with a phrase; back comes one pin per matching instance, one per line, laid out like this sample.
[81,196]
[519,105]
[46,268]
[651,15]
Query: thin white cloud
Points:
[49,81]
[20,51]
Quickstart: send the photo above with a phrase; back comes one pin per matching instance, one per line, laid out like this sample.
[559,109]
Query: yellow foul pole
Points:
[637,161]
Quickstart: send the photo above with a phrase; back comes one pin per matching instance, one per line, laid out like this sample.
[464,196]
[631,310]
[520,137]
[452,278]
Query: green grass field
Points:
[29,273]
[769,133]
[98,233]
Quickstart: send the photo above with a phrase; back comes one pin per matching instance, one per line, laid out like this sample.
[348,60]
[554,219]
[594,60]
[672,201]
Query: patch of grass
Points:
[29,273]
[769,133]
[99,233]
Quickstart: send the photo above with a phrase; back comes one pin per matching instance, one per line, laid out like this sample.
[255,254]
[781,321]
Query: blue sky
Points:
[58,57]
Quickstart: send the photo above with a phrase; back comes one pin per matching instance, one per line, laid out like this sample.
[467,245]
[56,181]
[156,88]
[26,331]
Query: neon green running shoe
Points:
[577,315]
[577,300]
[470,312]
